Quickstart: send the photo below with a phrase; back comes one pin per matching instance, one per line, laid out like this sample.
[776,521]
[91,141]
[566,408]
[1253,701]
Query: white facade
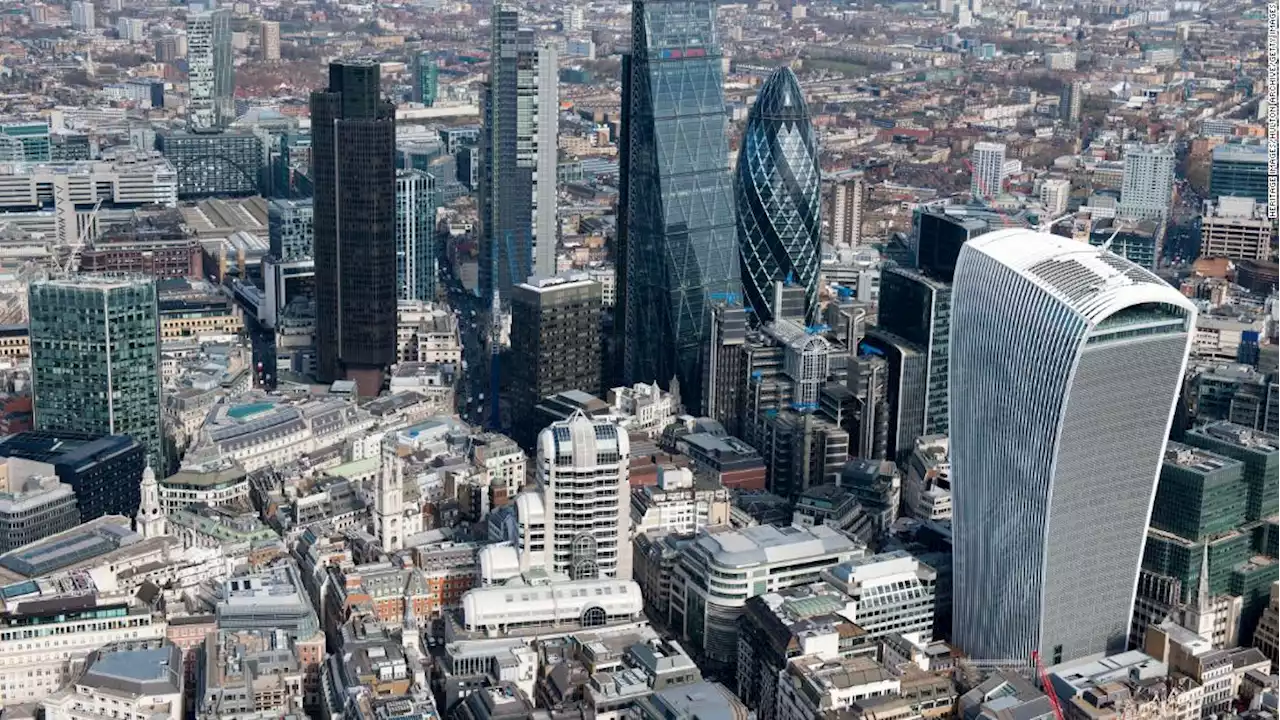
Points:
[545,202]
[1218,337]
[1054,194]
[38,662]
[583,467]
[838,684]
[1091,352]
[501,609]
[206,31]
[676,504]
[645,409]
[926,492]
[1147,189]
[427,333]
[414,191]
[133,178]
[719,572]
[150,521]
[892,593]
[128,680]
[393,519]
[988,170]
[175,494]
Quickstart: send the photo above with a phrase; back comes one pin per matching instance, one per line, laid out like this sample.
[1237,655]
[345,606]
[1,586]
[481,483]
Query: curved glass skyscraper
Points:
[1065,365]
[776,188]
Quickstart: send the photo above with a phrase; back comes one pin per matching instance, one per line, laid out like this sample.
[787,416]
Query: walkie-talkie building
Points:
[776,189]
[1065,365]
[681,237]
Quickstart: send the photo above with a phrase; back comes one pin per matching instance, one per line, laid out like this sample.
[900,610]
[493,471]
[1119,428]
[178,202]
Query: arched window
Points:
[594,616]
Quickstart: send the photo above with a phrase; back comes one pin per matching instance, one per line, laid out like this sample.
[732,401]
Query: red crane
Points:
[1048,688]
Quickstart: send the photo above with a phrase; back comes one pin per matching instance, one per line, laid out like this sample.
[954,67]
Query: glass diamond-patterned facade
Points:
[776,188]
[680,237]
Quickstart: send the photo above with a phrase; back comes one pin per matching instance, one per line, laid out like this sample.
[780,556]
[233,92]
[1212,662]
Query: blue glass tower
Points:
[776,189]
[680,237]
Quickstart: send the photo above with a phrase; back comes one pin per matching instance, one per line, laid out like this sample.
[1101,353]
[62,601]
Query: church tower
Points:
[150,520]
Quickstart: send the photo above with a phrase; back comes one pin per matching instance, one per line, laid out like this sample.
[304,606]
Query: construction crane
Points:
[71,261]
[1046,686]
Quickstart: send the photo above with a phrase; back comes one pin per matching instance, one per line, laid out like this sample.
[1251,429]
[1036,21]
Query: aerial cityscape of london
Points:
[639,360]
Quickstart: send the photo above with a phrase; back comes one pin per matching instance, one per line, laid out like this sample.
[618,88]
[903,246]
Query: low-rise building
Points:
[81,623]
[721,570]
[34,503]
[812,686]
[681,502]
[131,679]
[926,490]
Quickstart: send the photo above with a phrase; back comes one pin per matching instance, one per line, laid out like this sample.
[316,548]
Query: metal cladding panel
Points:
[1012,348]
[1056,441]
[1108,458]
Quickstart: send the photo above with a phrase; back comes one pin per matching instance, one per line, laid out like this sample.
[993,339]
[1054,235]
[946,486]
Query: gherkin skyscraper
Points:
[776,189]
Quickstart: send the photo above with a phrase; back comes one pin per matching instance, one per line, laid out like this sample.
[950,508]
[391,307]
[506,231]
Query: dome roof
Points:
[781,98]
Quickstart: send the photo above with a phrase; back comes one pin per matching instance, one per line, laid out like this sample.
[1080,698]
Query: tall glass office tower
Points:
[1065,366]
[415,235]
[681,236]
[95,358]
[777,192]
[509,156]
[353,162]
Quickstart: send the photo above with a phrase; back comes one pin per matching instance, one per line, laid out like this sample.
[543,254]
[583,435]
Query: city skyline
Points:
[647,360]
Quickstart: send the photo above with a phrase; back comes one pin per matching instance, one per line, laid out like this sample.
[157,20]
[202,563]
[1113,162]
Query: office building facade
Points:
[1070,101]
[353,168]
[719,572]
[508,151]
[724,366]
[555,344]
[30,139]
[1239,171]
[777,194]
[584,463]
[426,74]
[291,229]
[208,164]
[937,238]
[1080,374]
[546,223]
[415,235]
[681,236]
[103,470]
[95,358]
[917,308]
[1147,188]
[210,71]
[1237,228]
[82,15]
